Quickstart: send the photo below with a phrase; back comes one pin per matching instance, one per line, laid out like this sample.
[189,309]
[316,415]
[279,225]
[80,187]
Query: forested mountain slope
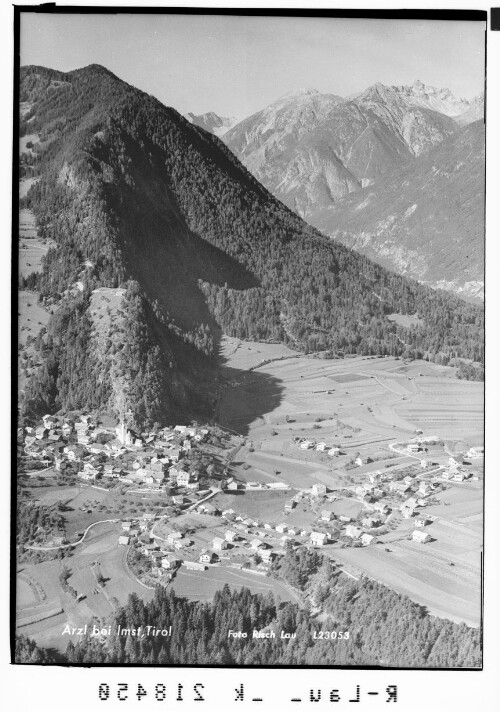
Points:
[425,220]
[136,196]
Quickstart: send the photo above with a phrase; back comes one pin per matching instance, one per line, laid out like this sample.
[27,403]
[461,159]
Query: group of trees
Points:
[34,519]
[384,629]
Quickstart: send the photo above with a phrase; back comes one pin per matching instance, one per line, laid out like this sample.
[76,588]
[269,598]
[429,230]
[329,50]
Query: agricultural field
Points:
[202,585]
[444,574]
[31,247]
[44,608]
[363,405]
[84,505]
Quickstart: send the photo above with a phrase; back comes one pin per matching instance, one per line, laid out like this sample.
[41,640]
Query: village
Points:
[204,522]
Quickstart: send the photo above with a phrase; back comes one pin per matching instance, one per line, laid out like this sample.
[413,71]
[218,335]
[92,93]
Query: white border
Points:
[75,689]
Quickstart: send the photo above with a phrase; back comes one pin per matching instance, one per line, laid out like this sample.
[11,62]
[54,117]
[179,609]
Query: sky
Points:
[237,65]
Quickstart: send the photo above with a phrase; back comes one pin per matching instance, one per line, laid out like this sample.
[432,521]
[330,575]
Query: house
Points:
[421,537]
[370,522]
[476,451]
[169,563]
[219,544]
[367,539]
[231,536]
[306,445]
[318,538]
[353,532]
[182,542]
[423,464]
[85,475]
[321,447]
[345,519]
[232,485]
[413,447]
[206,557]
[421,522]
[334,451]
[459,477]
[126,526]
[41,432]
[319,489]
[326,516]
[281,528]
[208,509]
[257,544]
[183,478]
[172,537]
[123,540]
[399,487]
[289,505]
[424,489]
[193,486]
[267,555]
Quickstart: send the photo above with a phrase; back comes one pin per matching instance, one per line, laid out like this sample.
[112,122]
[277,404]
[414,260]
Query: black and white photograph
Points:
[249,252]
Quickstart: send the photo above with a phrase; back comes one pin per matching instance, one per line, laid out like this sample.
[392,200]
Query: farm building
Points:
[318,538]
[289,505]
[413,447]
[281,528]
[123,540]
[421,537]
[326,515]
[231,536]
[206,557]
[306,445]
[195,566]
[476,451]
[367,539]
[321,447]
[334,451]
[126,526]
[232,485]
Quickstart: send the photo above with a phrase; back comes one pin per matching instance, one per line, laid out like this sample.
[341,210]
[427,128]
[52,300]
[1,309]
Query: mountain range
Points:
[143,204]
[218,125]
[312,149]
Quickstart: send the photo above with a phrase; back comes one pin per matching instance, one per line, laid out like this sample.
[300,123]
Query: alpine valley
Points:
[237,434]
[136,199]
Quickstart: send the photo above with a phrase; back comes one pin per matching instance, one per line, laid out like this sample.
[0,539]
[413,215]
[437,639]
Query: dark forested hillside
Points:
[378,622]
[137,197]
